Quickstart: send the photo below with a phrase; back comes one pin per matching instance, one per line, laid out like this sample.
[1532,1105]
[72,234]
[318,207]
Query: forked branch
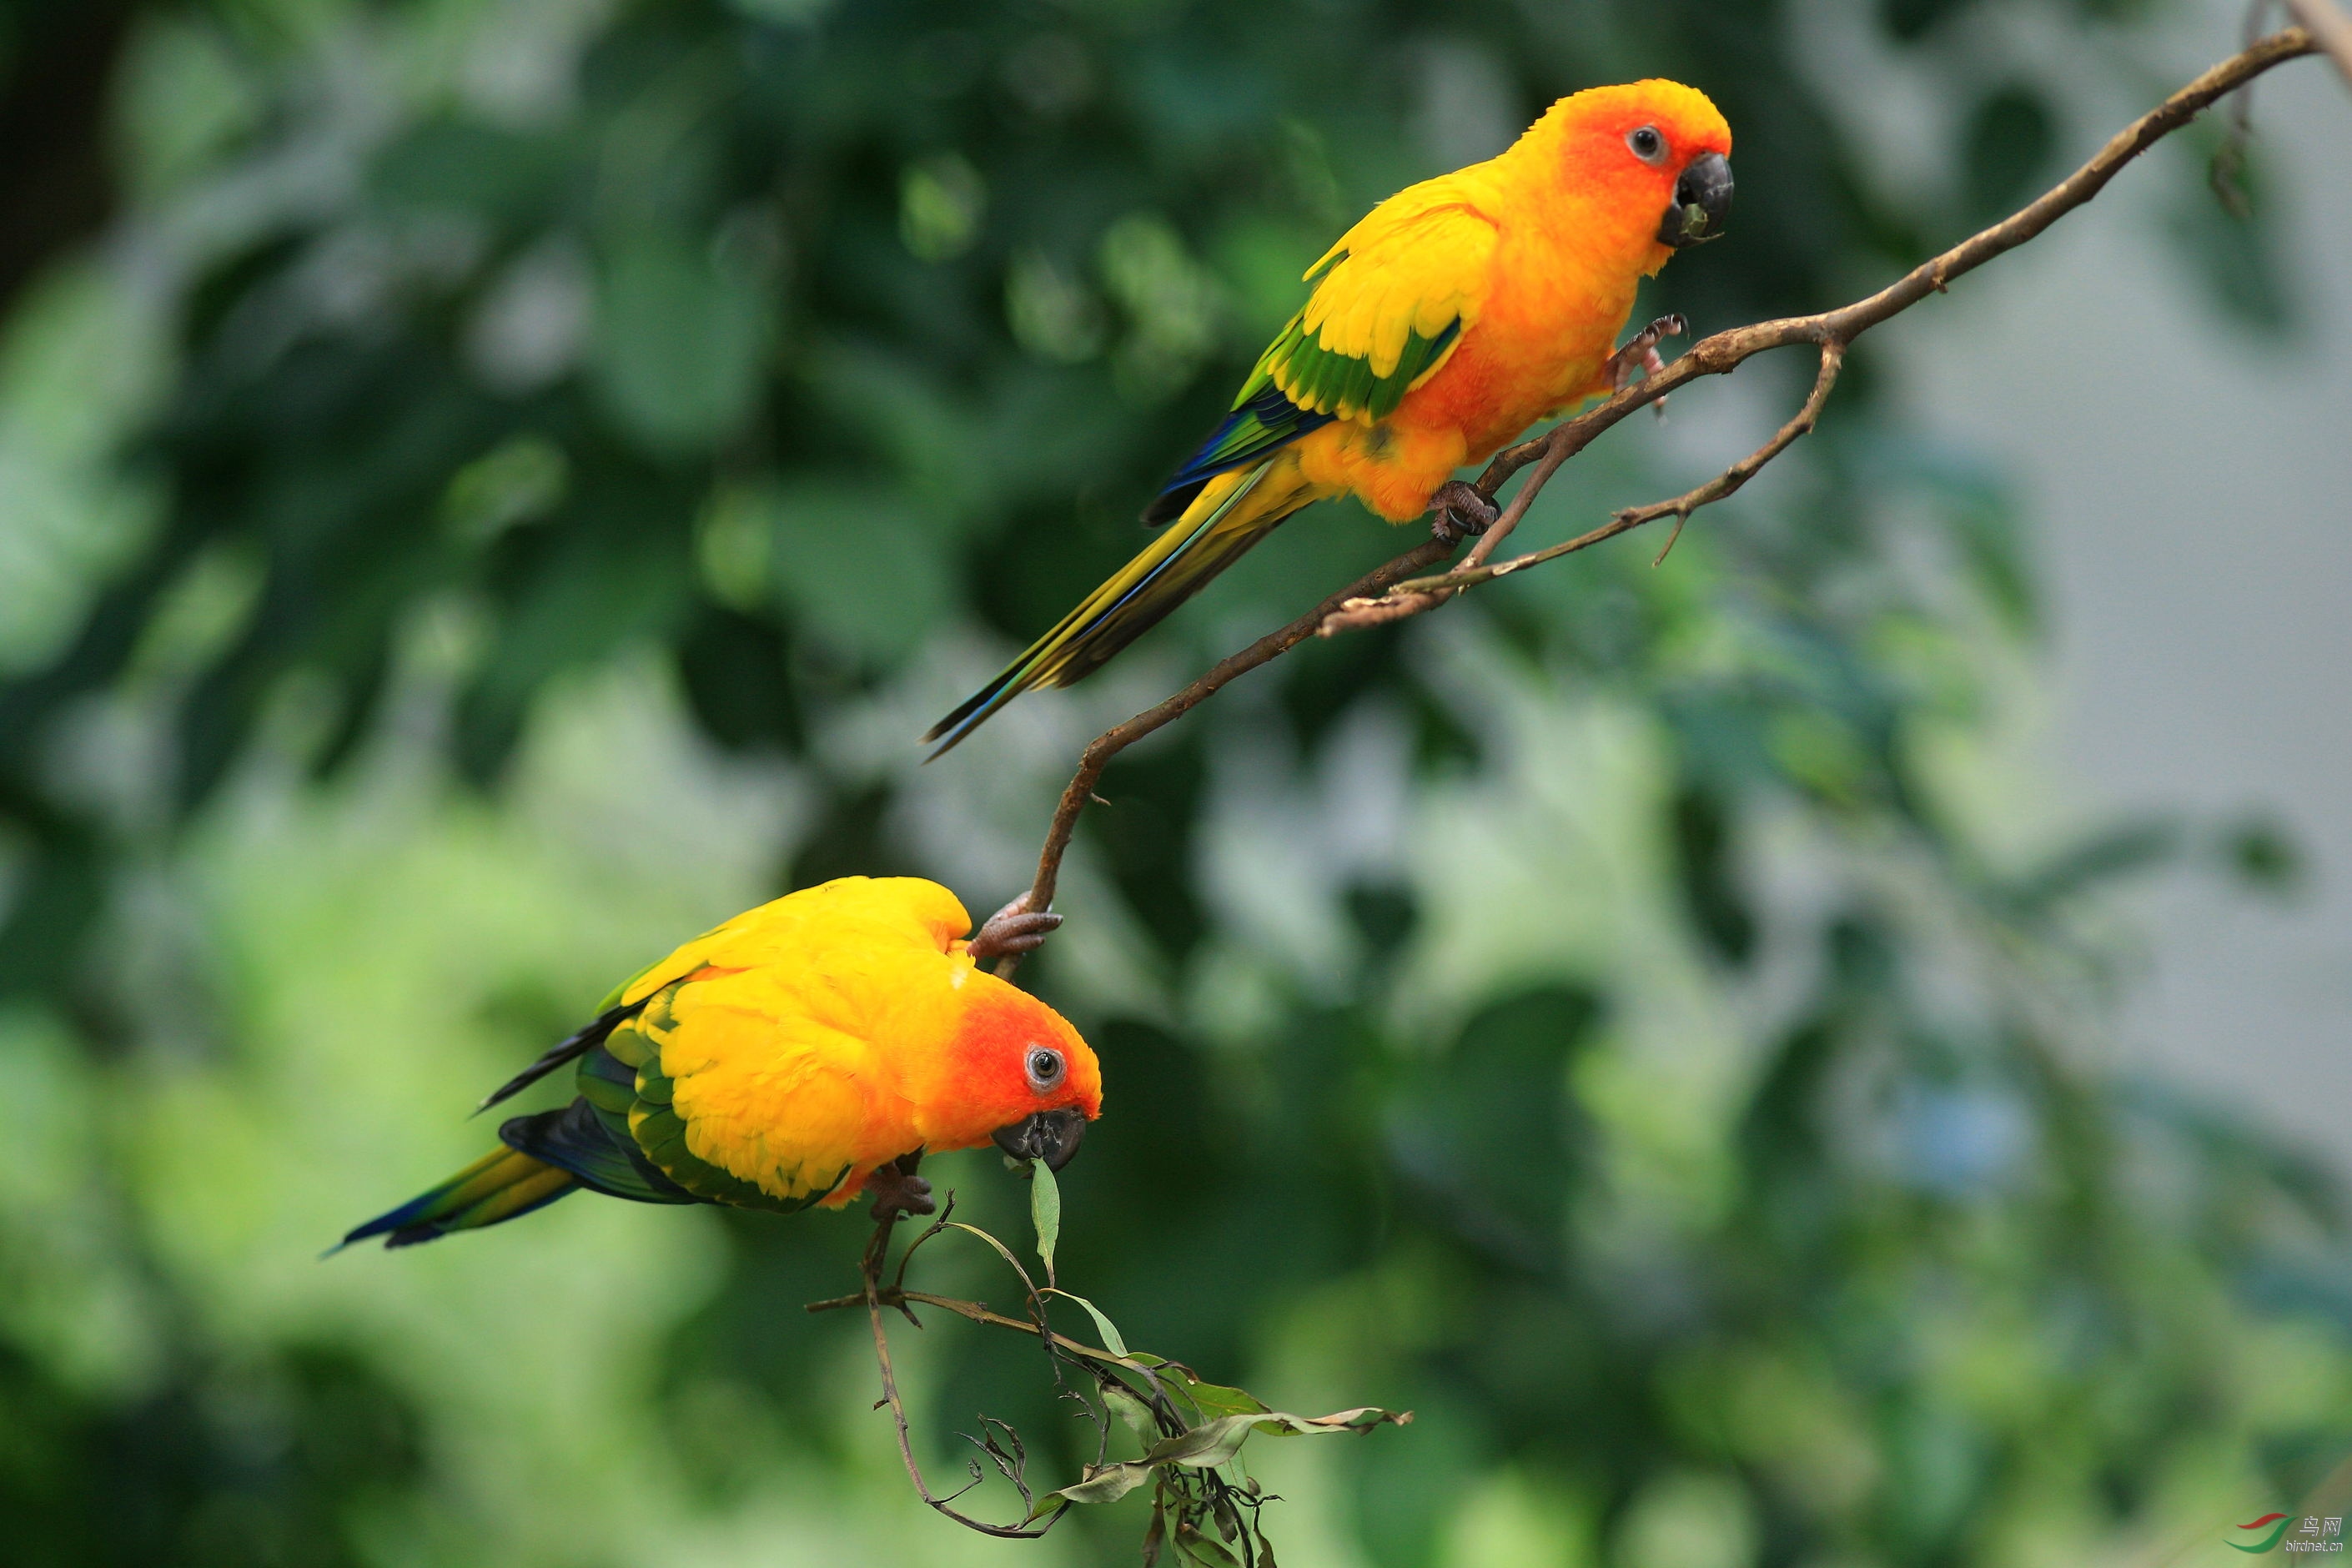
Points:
[1830,331]
[1411,597]
[1393,592]
[1191,1432]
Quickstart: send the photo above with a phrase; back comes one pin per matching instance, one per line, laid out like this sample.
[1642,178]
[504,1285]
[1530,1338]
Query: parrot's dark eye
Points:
[1647,145]
[1044,1068]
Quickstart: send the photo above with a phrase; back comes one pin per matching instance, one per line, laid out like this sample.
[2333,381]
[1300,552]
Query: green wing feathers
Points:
[632,1098]
[1389,304]
[1391,301]
[1323,380]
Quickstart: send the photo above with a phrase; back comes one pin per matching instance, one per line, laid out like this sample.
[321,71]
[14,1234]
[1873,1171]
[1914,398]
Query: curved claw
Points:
[1012,929]
[1639,358]
[1459,511]
[897,1190]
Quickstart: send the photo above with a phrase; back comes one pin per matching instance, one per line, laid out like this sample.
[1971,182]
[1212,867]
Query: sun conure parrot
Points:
[792,1056]
[1455,314]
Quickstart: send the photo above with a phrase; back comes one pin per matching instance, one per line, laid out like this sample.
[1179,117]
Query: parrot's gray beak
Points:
[1702,202]
[1049,1135]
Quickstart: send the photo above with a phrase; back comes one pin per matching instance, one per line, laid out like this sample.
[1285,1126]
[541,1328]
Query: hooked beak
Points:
[1049,1135]
[1702,201]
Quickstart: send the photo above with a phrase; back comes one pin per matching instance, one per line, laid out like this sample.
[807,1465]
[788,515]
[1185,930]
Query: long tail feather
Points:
[494,1188]
[556,1055]
[1231,512]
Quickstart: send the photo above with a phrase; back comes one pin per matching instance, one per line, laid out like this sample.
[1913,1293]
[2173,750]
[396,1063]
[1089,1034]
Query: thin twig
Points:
[1829,331]
[1112,741]
[875,1298]
[1426,592]
[1008,1455]
[974,1311]
[1547,466]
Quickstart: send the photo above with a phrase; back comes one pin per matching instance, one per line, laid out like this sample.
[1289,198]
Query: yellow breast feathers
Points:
[779,1036]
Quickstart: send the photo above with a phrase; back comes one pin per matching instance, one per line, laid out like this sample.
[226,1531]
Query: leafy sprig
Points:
[1189,1433]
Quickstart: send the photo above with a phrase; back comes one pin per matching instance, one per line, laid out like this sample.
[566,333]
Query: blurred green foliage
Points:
[510,495]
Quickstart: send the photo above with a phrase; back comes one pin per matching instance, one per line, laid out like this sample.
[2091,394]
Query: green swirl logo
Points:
[2275,1523]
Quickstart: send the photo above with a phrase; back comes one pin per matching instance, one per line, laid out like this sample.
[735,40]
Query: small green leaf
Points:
[1216,1399]
[1205,1446]
[1046,1212]
[1213,1398]
[1103,1325]
[1130,1409]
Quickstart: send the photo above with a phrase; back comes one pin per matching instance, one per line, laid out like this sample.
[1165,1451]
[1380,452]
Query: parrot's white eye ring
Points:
[1044,1067]
[1648,144]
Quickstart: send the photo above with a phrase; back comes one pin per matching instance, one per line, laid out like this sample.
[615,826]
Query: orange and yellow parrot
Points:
[792,1056]
[1457,313]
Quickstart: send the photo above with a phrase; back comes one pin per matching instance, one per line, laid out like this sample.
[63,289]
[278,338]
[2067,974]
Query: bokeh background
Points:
[1826,1053]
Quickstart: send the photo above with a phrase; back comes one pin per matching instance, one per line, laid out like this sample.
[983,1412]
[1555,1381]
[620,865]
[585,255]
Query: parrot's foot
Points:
[1457,511]
[1011,929]
[896,1188]
[1639,357]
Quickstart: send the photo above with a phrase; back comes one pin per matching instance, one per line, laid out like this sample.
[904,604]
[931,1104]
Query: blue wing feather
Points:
[1265,419]
[576,1139]
[1260,425]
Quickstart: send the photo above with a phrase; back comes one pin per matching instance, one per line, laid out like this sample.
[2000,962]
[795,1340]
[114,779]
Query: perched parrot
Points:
[789,1057]
[1457,313]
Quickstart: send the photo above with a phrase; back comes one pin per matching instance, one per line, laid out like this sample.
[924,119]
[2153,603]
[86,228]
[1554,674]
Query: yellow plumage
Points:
[806,1036]
[779,1060]
[1418,262]
[1453,316]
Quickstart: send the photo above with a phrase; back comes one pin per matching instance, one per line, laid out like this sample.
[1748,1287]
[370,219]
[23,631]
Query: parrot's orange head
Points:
[1656,151]
[1018,1075]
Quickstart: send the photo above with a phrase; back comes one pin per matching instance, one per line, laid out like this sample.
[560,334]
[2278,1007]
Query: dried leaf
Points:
[1209,1445]
[1108,1484]
[1198,1548]
[1157,1536]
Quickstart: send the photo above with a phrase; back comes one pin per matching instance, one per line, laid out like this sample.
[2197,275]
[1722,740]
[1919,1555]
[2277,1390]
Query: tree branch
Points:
[1411,597]
[1191,1431]
[1830,331]
[874,1297]
[1393,592]
[1112,741]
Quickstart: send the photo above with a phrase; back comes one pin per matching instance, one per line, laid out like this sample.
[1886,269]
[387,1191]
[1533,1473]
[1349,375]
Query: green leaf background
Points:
[496,488]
